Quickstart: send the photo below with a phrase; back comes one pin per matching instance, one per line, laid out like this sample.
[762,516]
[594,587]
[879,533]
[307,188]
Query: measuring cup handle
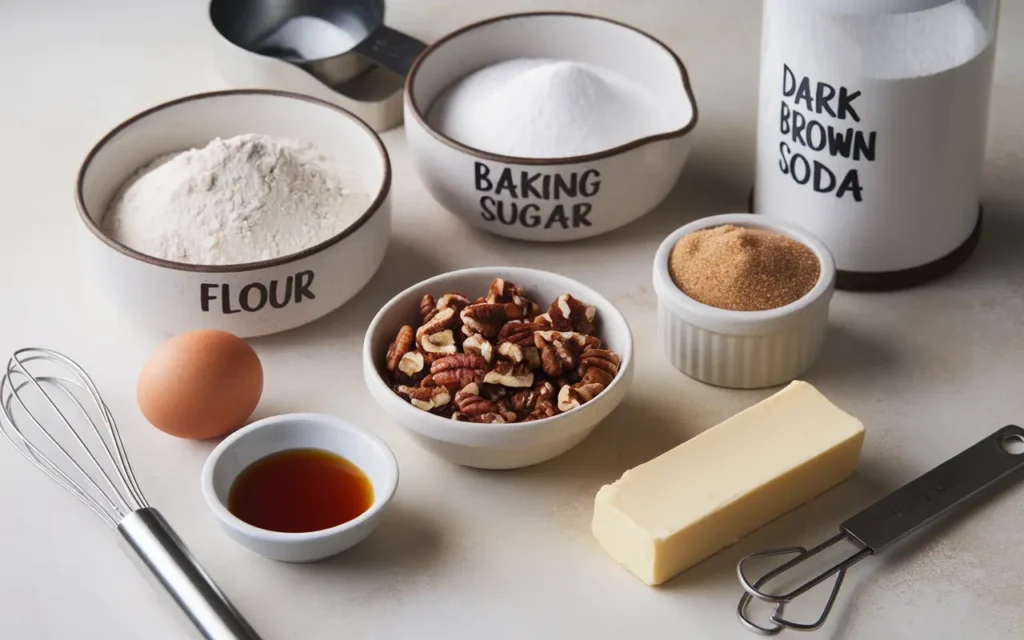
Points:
[391,49]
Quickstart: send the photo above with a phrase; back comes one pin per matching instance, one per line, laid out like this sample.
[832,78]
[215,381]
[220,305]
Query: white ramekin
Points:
[299,431]
[743,349]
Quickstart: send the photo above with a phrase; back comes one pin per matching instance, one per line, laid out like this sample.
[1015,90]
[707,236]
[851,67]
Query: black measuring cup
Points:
[351,37]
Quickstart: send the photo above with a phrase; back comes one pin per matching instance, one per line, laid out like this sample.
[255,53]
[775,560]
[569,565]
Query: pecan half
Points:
[581,341]
[426,398]
[455,301]
[412,364]
[517,354]
[428,308]
[444,319]
[518,332]
[458,370]
[471,403]
[404,343]
[525,401]
[488,318]
[504,291]
[570,397]
[440,343]
[567,313]
[473,407]
[543,322]
[477,344]
[559,350]
[599,366]
[508,374]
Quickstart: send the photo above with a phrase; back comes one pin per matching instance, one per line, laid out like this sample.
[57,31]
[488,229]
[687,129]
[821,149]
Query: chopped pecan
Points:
[458,370]
[525,401]
[440,343]
[570,397]
[544,409]
[543,322]
[559,350]
[598,366]
[504,291]
[444,319]
[428,308]
[508,374]
[581,341]
[426,398]
[473,407]
[567,313]
[471,403]
[455,301]
[479,345]
[412,365]
[518,332]
[488,318]
[404,343]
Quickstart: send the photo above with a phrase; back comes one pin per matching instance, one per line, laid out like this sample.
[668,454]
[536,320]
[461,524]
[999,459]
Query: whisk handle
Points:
[162,557]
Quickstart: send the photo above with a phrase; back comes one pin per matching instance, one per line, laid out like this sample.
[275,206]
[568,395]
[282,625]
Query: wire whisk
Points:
[54,416]
[106,482]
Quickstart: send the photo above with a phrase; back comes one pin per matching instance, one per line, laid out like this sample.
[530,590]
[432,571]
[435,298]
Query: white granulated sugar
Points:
[881,41]
[543,108]
[234,201]
[920,43]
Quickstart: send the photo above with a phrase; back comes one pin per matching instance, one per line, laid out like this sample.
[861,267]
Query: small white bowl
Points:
[299,431]
[627,181]
[497,446]
[743,349]
[175,297]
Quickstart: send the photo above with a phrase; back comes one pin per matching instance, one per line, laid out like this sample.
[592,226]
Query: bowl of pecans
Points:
[498,367]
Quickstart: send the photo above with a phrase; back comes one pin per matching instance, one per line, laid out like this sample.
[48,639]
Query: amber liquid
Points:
[300,490]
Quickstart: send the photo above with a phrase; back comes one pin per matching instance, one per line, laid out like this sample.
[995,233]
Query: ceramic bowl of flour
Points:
[549,126]
[279,274]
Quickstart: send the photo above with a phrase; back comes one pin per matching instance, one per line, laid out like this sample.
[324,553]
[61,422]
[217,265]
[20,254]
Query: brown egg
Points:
[200,385]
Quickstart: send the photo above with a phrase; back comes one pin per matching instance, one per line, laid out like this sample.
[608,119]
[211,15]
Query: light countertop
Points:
[470,554]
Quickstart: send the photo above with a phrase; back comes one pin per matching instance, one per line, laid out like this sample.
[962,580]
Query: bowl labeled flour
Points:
[236,201]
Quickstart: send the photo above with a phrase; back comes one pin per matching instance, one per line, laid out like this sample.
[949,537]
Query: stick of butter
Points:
[687,504]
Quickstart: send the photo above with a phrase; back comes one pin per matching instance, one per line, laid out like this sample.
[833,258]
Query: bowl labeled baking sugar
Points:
[235,201]
[743,269]
[546,108]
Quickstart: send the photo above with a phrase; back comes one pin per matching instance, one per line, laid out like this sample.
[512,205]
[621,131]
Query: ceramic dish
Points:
[634,177]
[299,431]
[497,446]
[176,297]
[743,349]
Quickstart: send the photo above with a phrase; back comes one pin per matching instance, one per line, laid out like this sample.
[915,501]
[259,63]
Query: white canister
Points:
[872,122]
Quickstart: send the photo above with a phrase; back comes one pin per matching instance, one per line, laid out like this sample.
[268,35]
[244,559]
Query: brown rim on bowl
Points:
[93,227]
[497,157]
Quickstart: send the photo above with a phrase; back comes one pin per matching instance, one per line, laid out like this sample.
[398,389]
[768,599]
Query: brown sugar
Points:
[743,269]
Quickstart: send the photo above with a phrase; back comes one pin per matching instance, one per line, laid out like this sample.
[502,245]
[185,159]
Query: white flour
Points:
[234,201]
[542,108]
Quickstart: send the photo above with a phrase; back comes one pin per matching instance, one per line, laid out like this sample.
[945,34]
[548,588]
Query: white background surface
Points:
[466,554]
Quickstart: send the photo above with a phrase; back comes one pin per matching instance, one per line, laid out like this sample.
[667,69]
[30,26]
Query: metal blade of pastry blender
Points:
[916,504]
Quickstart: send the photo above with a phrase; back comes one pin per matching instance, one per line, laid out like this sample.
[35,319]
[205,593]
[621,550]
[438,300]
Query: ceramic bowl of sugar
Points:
[549,126]
[247,211]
